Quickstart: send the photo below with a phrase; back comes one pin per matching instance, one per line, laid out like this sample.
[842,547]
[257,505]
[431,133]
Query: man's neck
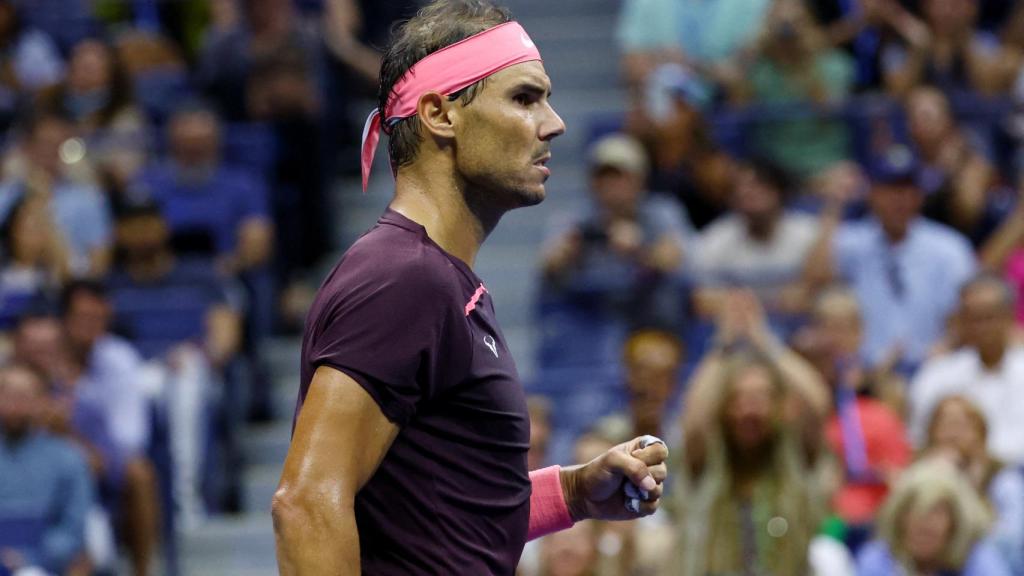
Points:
[14,438]
[992,358]
[762,229]
[440,205]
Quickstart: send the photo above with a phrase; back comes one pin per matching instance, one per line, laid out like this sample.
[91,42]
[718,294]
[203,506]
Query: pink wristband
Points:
[548,511]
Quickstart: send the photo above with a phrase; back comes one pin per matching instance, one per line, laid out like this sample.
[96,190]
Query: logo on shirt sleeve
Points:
[491,344]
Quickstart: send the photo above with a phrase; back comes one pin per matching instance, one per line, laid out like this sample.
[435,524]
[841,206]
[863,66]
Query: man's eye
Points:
[524,99]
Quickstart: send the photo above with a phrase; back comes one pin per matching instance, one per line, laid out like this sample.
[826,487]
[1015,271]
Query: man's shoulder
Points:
[952,366]
[726,229]
[394,259]
[939,237]
[112,349]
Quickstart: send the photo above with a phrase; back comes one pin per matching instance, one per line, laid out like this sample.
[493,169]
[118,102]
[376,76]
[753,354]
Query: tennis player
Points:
[408,454]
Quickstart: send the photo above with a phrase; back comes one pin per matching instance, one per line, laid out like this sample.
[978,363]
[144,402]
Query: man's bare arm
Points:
[340,438]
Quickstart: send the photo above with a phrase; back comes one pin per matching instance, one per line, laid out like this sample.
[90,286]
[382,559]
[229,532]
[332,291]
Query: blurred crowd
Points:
[803,267]
[163,210]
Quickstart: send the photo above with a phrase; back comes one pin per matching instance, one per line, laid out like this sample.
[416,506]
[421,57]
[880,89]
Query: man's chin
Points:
[531,196]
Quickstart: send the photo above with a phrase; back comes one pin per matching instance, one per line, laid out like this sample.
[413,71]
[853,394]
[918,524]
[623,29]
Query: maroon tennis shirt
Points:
[415,327]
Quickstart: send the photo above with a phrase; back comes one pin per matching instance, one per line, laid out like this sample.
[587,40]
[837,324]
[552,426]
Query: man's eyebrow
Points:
[535,88]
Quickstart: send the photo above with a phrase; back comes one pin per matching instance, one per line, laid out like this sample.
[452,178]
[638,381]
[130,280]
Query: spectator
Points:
[954,175]
[866,435]
[958,429]
[933,522]
[793,64]
[863,28]
[80,211]
[35,260]
[751,434]
[905,271]
[703,37]
[759,245]
[38,341]
[628,250]
[952,55]
[265,29]
[45,487]
[97,95]
[670,117]
[652,360]
[176,312]
[108,384]
[1003,254]
[29,59]
[988,369]
[199,194]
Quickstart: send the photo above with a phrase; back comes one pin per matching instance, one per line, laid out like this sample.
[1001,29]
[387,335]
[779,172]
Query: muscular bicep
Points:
[340,438]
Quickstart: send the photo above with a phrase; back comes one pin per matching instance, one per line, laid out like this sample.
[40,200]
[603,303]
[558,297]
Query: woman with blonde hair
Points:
[958,430]
[932,523]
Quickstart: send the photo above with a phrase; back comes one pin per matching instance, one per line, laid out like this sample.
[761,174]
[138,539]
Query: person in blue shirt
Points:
[198,193]
[79,210]
[46,488]
[905,270]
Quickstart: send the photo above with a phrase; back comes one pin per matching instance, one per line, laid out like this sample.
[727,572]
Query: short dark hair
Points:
[142,208]
[437,25]
[770,173]
[990,279]
[86,286]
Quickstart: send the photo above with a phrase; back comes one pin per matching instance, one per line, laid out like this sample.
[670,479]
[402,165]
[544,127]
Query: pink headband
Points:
[447,71]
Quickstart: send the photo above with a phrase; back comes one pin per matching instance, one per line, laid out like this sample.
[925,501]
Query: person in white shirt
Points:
[988,369]
[759,245]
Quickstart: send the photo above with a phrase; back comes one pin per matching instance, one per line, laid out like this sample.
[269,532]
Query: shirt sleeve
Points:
[130,428]
[391,332]
[100,232]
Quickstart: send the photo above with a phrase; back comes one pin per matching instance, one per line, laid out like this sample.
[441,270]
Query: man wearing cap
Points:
[905,270]
[408,453]
[628,248]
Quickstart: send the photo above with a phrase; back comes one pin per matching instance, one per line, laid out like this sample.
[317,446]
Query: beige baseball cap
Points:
[619,151]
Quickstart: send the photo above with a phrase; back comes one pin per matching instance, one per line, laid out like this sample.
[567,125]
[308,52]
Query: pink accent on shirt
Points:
[471,305]
[1015,276]
[548,511]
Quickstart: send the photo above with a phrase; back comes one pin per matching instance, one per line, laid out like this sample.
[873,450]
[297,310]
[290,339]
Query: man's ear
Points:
[434,111]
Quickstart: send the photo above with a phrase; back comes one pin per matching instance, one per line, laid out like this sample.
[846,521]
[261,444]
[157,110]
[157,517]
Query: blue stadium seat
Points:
[250,146]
